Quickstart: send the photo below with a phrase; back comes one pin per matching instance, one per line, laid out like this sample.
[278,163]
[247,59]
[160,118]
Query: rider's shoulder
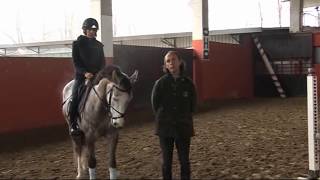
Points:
[99,43]
[79,40]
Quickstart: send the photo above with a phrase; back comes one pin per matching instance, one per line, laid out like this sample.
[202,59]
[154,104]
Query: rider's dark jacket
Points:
[173,102]
[87,55]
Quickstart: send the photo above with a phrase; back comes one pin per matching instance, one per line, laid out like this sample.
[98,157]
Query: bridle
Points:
[107,104]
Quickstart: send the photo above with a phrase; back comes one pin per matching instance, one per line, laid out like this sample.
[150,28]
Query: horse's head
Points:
[119,94]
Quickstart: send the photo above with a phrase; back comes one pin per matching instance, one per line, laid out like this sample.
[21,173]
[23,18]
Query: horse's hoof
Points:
[82,176]
[114,174]
[79,177]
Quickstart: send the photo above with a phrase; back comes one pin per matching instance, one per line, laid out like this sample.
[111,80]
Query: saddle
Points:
[84,91]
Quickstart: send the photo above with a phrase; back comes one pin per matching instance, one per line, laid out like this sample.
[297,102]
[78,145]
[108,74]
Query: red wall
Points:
[31,92]
[31,88]
[316,39]
[228,73]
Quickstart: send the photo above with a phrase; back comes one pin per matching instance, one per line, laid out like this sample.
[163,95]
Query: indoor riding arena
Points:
[243,128]
[252,119]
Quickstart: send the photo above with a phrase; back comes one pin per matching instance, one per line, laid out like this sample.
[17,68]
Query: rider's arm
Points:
[78,64]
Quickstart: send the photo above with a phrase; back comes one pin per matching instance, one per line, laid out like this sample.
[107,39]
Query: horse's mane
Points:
[106,72]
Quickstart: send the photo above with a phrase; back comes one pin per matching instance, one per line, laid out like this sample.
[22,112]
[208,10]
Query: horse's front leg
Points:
[79,152]
[92,162]
[77,155]
[113,138]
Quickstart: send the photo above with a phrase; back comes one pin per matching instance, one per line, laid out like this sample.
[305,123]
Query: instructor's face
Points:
[172,63]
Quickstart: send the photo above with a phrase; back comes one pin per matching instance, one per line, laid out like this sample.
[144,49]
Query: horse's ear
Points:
[134,77]
[115,77]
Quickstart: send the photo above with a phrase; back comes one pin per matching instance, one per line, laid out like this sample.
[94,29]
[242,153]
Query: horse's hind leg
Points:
[113,138]
[92,162]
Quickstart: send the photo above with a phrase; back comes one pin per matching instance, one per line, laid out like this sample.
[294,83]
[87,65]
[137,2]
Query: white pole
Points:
[313,126]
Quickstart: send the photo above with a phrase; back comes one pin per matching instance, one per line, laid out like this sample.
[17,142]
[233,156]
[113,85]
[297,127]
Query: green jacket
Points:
[173,102]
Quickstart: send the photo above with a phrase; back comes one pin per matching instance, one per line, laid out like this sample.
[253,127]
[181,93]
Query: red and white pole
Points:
[200,42]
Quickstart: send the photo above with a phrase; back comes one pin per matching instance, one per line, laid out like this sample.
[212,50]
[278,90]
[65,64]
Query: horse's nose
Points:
[115,124]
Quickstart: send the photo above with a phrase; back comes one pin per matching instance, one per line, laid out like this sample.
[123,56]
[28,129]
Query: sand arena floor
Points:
[258,138]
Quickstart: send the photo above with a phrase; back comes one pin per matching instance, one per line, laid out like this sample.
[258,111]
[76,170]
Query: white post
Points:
[101,10]
[106,28]
[296,15]
[95,13]
[313,126]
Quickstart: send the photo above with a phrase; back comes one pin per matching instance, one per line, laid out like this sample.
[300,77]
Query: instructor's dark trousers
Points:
[183,148]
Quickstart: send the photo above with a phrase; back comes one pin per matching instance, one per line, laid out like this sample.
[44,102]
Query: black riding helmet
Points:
[90,23]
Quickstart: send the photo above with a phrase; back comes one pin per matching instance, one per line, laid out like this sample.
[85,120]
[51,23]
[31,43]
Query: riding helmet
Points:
[90,23]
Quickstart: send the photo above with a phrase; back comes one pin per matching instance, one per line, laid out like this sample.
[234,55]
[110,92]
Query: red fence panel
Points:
[30,95]
[228,74]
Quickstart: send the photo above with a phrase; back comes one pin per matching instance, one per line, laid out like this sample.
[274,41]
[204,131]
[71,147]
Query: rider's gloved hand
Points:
[88,75]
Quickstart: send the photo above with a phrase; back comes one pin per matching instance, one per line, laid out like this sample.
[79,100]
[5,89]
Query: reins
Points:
[107,104]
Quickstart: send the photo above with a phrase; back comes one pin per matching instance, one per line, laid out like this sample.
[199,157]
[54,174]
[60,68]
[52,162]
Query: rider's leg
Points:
[74,128]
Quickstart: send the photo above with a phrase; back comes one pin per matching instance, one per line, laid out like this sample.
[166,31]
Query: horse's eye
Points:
[116,99]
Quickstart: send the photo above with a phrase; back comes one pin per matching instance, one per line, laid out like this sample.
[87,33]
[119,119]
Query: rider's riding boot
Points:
[74,127]
[73,112]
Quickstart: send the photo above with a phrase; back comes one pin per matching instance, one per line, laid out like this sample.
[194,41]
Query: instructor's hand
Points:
[88,75]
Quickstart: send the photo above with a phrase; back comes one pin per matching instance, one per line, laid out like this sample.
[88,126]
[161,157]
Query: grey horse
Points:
[102,115]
